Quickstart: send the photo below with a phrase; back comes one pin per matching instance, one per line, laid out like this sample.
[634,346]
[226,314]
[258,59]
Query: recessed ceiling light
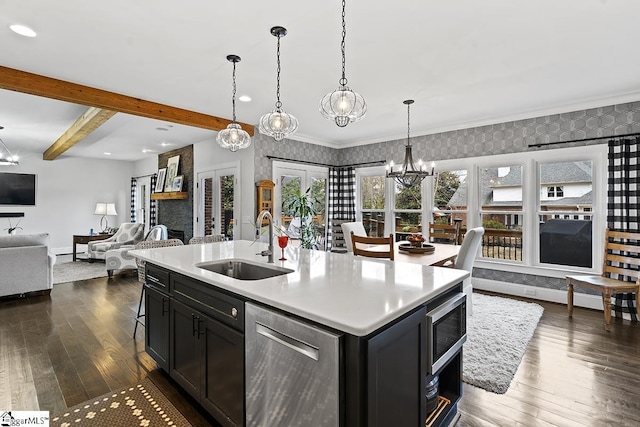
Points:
[107,153]
[22,30]
[165,144]
[244,98]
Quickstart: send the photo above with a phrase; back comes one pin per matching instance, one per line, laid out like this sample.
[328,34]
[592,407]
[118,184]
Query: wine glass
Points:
[282,242]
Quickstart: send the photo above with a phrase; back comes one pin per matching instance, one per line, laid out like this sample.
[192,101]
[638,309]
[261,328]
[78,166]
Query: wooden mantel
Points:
[171,195]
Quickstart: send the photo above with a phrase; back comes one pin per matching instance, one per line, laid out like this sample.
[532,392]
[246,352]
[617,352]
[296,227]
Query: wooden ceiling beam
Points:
[34,84]
[89,121]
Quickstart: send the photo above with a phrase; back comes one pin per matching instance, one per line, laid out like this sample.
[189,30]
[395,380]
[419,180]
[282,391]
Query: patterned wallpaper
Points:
[509,137]
[288,149]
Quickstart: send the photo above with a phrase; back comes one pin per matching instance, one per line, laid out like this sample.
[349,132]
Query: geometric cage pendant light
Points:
[409,175]
[233,137]
[278,124]
[343,105]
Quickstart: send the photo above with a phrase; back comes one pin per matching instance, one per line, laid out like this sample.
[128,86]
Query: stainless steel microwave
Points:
[446,331]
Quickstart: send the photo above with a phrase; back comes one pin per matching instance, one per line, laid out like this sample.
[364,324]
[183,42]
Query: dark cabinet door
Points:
[207,360]
[396,374]
[185,357]
[157,326]
[223,380]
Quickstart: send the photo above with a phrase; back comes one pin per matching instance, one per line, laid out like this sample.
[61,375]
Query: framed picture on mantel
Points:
[160,180]
[177,183]
[172,172]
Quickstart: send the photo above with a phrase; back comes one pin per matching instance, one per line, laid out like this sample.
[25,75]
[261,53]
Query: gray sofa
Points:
[26,265]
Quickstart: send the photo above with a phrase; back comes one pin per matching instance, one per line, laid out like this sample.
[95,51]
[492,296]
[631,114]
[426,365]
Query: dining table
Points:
[442,254]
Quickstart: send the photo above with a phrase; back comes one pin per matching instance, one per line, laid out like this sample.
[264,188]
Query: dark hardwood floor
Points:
[76,344]
[59,350]
[573,373]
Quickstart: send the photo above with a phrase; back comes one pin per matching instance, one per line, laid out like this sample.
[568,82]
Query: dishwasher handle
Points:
[288,341]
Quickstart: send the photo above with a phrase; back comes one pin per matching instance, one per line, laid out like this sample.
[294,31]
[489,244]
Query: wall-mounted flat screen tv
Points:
[18,189]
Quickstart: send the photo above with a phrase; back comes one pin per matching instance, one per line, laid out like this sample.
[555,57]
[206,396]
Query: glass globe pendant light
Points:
[343,105]
[278,124]
[233,137]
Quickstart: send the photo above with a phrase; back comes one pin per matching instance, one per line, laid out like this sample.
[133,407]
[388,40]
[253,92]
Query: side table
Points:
[83,239]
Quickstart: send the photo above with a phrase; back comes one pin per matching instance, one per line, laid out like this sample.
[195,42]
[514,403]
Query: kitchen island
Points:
[374,311]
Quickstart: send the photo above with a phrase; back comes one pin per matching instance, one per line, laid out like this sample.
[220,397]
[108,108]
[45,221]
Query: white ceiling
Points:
[465,62]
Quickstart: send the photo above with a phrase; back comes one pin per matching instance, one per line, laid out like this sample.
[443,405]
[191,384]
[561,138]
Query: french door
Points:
[218,195]
[289,178]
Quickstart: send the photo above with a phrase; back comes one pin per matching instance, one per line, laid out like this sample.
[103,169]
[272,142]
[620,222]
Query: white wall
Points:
[146,166]
[207,155]
[67,190]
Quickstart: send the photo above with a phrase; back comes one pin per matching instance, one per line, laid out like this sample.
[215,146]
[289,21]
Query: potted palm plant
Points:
[303,206]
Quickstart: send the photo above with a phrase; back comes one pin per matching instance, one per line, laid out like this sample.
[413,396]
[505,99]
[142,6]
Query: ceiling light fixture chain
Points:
[233,138]
[409,175]
[233,95]
[343,105]
[277,123]
[343,80]
[278,103]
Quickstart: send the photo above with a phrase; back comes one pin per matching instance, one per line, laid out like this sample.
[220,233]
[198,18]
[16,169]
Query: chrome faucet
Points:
[261,216]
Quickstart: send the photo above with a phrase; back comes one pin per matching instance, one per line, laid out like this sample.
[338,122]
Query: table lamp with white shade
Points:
[105,209]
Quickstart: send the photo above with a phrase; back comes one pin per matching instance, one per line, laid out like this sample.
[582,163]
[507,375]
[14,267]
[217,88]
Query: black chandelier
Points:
[409,175]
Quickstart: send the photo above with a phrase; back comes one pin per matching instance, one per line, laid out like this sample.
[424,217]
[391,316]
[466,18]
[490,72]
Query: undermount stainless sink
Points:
[243,270]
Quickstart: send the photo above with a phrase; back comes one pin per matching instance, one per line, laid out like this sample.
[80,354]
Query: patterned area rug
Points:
[497,336]
[138,405]
[80,270]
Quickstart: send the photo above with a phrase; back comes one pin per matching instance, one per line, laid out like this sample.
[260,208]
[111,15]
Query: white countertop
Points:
[355,295]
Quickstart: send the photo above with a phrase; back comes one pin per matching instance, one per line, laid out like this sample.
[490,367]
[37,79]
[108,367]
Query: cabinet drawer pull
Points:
[287,341]
[154,279]
[193,325]
[200,330]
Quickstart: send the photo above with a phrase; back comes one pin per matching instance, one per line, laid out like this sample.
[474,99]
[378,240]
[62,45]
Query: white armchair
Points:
[119,259]
[129,233]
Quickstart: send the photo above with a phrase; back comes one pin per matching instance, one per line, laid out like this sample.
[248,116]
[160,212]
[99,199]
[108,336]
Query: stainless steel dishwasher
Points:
[292,371]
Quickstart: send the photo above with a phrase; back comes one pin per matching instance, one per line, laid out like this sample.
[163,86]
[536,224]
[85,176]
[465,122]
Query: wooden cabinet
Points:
[264,196]
[157,326]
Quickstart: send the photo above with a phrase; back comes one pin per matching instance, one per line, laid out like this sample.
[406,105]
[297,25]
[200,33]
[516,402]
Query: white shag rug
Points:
[80,270]
[497,336]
